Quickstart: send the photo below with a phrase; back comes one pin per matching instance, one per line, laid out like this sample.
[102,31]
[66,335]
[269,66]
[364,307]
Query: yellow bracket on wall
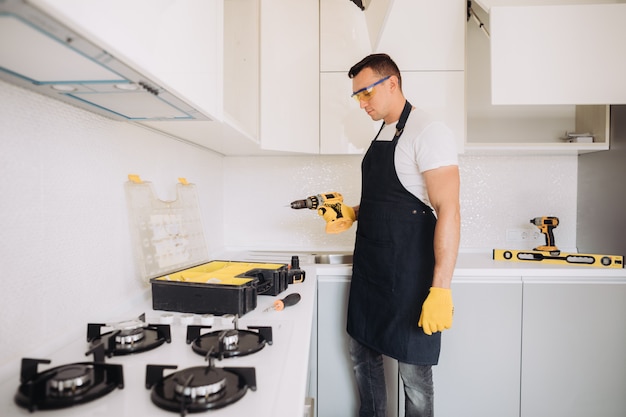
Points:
[134,178]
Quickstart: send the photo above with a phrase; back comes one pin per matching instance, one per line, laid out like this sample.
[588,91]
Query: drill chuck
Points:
[308,203]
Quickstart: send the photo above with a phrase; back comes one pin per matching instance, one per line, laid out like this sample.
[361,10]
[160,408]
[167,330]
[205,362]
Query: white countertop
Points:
[481,265]
[281,368]
[283,375]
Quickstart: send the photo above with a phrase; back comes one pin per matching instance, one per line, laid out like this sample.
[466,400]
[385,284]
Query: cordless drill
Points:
[546,225]
[314,201]
[339,217]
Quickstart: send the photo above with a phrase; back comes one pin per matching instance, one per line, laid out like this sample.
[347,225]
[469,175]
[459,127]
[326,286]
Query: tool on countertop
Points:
[546,225]
[295,275]
[290,300]
[339,216]
[549,253]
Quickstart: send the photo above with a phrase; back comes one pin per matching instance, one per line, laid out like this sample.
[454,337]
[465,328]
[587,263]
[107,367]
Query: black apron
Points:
[393,261]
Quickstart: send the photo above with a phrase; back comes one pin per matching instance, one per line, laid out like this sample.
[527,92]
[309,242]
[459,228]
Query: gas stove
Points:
[166,364]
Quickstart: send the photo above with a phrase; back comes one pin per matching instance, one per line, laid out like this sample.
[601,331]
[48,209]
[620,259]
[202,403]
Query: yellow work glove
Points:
[339,217]
[437,311]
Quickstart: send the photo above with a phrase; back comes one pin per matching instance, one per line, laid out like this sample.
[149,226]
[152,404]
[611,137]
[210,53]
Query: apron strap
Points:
[401,122]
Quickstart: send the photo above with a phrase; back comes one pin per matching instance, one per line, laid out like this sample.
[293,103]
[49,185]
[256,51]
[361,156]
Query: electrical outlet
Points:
[523,235]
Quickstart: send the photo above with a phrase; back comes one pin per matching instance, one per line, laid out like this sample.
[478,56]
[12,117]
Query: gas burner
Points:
[198,388]
[67,385]
[230,342]
[132,336]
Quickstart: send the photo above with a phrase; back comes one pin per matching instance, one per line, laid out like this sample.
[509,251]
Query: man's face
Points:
[371,93]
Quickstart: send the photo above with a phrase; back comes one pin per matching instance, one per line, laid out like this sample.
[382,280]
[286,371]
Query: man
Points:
[406,244]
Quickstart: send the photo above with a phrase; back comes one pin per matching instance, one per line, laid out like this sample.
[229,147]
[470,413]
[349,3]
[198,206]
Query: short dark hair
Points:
[381,64]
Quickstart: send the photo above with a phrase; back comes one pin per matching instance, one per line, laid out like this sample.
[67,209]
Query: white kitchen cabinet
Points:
[289,69]
[479,373]
[523,127]
[337,394]
[345,128]
[426,38]
[178,42]
[573,344]
[344,38]
[426,35]
[558,54]
[271,81]
[229,58]
[271,77]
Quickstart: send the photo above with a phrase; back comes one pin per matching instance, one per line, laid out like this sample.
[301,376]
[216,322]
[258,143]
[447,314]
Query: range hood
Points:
[42,54]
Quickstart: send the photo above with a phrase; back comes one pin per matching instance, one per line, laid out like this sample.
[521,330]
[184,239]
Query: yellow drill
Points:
[546,225]
[339,217]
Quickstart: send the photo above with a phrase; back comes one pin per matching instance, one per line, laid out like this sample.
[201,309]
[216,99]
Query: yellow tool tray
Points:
[220,272]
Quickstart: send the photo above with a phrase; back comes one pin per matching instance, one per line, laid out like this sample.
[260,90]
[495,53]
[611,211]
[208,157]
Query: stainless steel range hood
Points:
[40,53]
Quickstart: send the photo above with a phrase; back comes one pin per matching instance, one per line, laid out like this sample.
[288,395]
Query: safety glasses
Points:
[366,94]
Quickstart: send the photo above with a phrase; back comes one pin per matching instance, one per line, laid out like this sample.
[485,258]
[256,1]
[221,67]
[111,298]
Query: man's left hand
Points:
[437,311]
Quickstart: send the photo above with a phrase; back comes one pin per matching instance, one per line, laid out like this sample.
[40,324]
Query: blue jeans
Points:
[370,379]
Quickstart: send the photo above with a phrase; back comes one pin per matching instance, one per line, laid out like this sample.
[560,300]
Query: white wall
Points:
[65,252]
[497,193]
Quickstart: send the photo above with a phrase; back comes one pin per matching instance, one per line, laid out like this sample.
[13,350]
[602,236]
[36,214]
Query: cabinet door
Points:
[426,35]
[290,75]
[440,93]
[337,394]
[479,367]
[559,54]
[344,38]
[347,129]
[573,344]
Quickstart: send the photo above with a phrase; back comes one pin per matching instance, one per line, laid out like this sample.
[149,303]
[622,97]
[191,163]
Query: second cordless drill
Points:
[546,225]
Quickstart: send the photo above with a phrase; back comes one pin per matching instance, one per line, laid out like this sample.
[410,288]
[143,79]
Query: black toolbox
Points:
[172,256]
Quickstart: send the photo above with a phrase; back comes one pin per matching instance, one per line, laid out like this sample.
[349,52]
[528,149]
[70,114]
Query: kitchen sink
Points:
[333,258]
[317,257]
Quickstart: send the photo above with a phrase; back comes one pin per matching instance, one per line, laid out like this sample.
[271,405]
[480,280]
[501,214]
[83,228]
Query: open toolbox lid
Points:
[167,235]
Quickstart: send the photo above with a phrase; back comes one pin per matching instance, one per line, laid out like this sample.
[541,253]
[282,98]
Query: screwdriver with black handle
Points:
[291,299]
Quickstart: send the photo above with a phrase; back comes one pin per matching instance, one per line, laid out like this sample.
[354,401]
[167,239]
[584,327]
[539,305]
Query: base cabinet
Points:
[519,347]
[337,394]
[478,373]
[573,345]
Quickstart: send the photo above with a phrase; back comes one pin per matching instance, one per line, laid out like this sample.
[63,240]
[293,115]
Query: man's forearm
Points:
[446,245]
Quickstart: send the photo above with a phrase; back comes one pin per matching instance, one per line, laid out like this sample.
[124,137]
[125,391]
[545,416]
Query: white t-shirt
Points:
[425,144]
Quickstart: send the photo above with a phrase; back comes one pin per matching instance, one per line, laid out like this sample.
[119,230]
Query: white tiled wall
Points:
[497,193]
[65,252]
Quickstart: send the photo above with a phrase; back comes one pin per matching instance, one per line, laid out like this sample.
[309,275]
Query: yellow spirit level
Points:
[559,258]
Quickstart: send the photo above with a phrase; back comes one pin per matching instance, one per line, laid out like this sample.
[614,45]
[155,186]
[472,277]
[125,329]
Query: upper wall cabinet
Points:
[418,34]
[270,80]
[426,38]
[160,38]
[558,54]
[347,129]
[425,35]
[542,127]
[289,53]
[344,36]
